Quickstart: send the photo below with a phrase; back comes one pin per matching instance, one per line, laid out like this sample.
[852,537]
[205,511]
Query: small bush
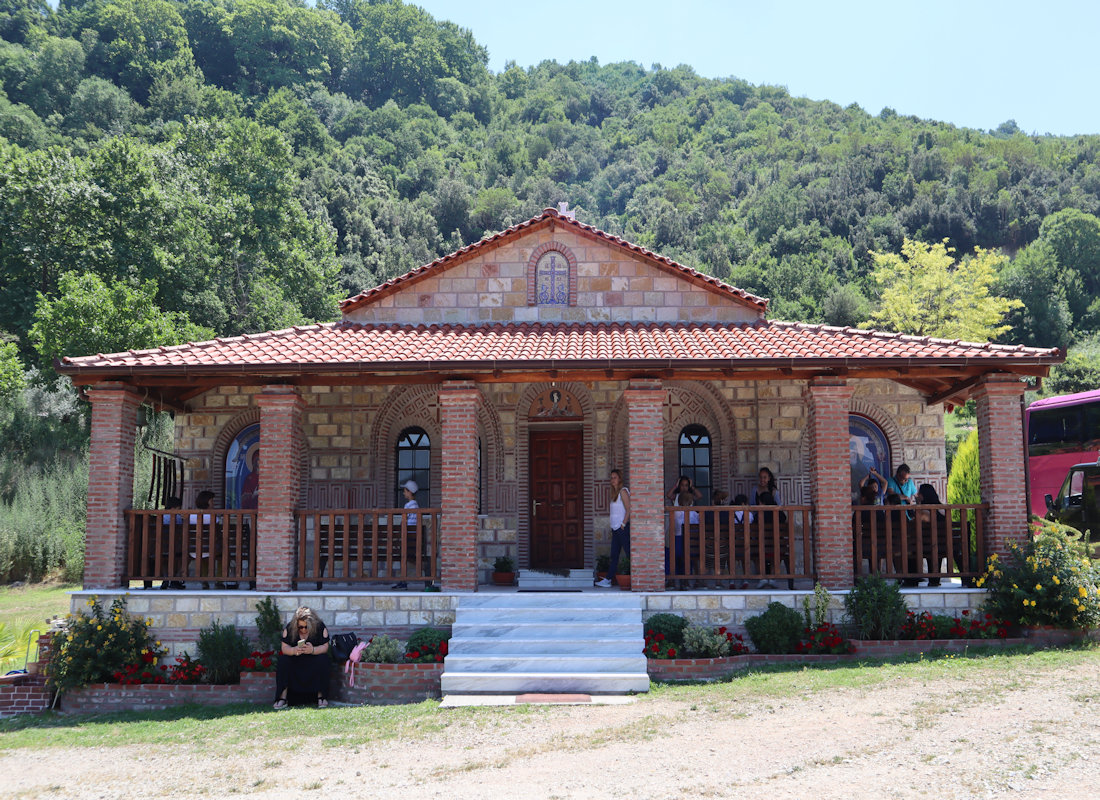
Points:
[221,650]
[383,649]
[775,631]
[700,642]
[1047,580]
[92,647]
[670,626]
[504,564]
[426,646]
[876,608]
[269,625]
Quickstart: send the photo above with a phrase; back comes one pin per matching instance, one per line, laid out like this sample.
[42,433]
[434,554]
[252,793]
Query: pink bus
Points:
[1061,431]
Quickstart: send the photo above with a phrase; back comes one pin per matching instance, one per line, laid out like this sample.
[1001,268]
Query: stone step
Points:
[519,682]
[545,600]
[533,579]
[562,631]
[508,616]
[551,664]
[544,645]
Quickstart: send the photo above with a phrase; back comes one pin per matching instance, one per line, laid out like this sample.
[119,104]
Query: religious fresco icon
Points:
[867,450]
[552,279]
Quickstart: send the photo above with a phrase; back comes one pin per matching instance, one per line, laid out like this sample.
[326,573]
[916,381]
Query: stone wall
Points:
[610,285]
[714,609]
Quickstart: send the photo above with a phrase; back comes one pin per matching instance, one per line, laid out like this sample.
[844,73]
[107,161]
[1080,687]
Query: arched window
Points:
[695,459]
[414,462]
[242,469]
[479,475]
[867,449]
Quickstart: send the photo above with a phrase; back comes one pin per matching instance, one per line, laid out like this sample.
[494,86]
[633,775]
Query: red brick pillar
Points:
[458,403]
[645,401]
[1001,460]
[110,483]
[827,403]
[281,447]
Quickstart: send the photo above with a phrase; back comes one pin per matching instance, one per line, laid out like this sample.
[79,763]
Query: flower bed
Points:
[108,698]
[392,684]
[702,669]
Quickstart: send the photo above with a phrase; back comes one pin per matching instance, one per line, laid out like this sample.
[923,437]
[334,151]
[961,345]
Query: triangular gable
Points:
[497,280]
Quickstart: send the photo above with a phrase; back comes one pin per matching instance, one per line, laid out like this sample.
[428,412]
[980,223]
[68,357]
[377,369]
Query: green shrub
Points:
[671,626]
[876,608]
[42,525]
[427,645]
[221,650]
[269,625]
[503,564]
[1046,580]
[700,642]
[92,647]
[383,649]
[777,630]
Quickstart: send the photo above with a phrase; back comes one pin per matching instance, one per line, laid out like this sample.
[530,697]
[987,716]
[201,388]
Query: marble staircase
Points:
[547,642]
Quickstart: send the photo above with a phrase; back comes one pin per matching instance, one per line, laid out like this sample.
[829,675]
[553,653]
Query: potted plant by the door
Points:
[622,577]
[504,571]
[603,564]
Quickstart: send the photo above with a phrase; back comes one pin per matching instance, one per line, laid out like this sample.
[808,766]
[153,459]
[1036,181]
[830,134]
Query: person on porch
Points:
[620,527]
[409,490]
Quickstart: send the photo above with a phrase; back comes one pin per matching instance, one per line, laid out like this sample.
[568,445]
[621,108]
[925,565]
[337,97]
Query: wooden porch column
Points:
[1001,460]
[827,403]
[458,403]
[110,483]
[280,468]
[645,400]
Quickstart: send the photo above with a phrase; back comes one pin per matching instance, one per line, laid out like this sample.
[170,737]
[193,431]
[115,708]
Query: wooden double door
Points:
[557,492]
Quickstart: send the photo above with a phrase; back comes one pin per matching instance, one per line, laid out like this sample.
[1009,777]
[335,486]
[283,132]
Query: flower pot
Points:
[504,578]
[623,581]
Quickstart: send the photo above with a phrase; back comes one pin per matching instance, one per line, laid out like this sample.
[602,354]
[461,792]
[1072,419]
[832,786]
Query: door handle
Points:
[534,507]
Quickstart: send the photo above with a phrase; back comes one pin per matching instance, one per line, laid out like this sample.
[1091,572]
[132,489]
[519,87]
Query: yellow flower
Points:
[99,627]
[1014,586]
[1056,581]
[1081,590]
[1038,587]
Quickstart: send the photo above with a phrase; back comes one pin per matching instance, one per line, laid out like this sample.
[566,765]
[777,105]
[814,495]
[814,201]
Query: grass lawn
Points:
[222,729]
[26,608]
[32,604]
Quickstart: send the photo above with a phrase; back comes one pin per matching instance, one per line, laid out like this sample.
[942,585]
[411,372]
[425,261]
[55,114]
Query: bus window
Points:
[1056,426]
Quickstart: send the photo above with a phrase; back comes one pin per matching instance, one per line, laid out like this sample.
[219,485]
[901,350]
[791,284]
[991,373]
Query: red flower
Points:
[266,663]
[414,654]
[660,637]
[443,648]
[671,652]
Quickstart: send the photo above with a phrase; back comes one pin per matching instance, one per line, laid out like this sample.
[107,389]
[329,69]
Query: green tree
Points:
[927,293]
[1080,372]
[963,482]
[92,316]
[12,379]
[1043,318]
[1073,238]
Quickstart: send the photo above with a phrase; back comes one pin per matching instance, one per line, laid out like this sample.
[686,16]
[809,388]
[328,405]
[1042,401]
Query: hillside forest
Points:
[172,170]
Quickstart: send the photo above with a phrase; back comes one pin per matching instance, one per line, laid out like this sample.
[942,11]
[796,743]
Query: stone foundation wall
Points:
[714,609]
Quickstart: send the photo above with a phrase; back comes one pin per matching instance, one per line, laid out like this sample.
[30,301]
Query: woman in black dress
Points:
[303,666]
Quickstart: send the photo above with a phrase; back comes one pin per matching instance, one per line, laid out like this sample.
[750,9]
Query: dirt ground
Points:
[1000,734]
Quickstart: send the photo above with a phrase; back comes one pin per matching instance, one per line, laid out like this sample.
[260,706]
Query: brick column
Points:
[827,404]
[1001,460]
[645,400]
[110,483]
[280,465]
[458,403]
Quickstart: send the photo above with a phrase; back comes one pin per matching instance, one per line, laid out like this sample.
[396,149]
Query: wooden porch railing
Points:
[739,543]
[913,542]
[181,543]
[370,546]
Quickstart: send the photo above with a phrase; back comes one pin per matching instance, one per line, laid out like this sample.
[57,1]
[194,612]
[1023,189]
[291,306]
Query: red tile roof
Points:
[349,346]
[547,217]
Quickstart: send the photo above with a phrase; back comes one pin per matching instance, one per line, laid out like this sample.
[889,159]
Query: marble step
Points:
[552,600]
[552,646]
[505,616]
[557,663]
[522,682]
[576,579]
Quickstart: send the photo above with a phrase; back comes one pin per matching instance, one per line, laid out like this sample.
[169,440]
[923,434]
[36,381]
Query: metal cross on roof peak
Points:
[563,209]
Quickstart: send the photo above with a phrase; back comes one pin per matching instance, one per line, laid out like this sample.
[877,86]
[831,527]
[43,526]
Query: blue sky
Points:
[969,62]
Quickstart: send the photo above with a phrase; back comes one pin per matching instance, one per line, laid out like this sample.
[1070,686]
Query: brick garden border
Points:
[389,684]
[702,669]
[109,698]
